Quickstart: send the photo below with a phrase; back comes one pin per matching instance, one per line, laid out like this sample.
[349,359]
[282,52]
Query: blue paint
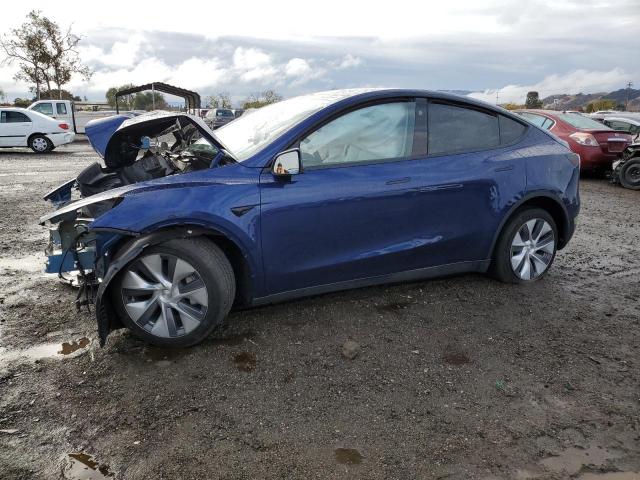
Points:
[100,131]
[328,226]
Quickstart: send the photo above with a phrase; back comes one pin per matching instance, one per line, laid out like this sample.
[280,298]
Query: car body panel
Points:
[380,219]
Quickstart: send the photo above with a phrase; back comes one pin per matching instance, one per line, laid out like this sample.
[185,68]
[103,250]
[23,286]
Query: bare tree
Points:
[44,54]
[257,100]
[221,100]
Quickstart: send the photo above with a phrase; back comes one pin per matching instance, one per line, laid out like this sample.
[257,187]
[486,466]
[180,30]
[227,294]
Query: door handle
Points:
[396,181]
[434,188]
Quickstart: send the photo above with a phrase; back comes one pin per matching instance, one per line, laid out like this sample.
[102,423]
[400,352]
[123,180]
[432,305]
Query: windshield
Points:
[224,113]
[580,121]
[249,134]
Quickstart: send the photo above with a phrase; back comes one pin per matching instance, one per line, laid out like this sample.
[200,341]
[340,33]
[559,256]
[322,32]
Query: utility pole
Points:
[497,96]
[626,104]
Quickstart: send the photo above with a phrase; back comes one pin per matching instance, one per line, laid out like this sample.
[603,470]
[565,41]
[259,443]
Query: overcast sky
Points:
[554,46]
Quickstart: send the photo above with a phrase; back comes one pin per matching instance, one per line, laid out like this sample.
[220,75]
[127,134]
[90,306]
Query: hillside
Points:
[581,100]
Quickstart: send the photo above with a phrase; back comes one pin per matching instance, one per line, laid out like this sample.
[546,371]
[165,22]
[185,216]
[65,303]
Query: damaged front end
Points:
[136,151]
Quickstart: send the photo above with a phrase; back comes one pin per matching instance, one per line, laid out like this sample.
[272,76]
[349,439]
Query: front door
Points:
[351,213]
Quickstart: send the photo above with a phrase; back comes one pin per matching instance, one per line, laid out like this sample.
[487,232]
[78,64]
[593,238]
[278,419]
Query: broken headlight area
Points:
[71,254]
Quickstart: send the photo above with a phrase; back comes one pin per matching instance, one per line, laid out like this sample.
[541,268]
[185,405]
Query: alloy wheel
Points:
[164,295]
[532,249]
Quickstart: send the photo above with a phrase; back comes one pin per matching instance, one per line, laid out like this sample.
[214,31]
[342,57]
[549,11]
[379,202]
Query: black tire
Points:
[40,143]
[630,174]
[501,268]
[214,270]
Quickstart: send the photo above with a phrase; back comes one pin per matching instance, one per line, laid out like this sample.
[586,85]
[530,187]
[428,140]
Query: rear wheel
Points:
[40,144]
[526,248]
[175,293]
[630,174]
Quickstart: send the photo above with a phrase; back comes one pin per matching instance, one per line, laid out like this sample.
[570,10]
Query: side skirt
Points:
[479,266]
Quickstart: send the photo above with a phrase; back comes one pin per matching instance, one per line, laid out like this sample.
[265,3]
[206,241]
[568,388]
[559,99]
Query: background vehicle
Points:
[323,192]
[217,117]
[597,144]
[624,124]
[626,171]
[65,111]
[20,127]
[237,112]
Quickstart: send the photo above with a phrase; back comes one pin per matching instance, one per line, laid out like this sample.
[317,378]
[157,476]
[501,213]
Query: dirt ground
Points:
[458,378]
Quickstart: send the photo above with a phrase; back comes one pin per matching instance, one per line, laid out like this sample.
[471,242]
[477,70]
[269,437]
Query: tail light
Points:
[585,139]
[63,126]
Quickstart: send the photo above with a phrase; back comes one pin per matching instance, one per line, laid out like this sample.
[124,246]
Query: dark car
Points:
[318,193]
[598,145]
[217,117]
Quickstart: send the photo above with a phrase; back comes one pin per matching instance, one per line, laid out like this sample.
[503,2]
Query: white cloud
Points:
[297,67]
[350,61]
[249,58]
[577,81]
[120,54]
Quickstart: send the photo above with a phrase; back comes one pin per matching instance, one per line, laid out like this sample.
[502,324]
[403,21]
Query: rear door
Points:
[467,176]
[15,128]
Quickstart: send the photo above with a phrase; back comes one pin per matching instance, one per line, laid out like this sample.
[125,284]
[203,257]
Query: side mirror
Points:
[287,163]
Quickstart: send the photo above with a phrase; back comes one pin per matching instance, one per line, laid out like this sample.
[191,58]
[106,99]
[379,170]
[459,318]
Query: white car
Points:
[624,124]
[20,127]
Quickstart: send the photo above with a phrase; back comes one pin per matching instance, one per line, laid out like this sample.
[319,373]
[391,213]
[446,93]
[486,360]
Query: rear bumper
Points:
[61,138]
[593,158]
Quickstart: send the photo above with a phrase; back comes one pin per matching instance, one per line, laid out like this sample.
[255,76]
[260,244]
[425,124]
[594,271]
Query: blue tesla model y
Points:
[317,193]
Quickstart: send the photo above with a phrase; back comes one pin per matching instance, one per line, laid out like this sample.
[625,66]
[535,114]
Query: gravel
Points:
[457,378]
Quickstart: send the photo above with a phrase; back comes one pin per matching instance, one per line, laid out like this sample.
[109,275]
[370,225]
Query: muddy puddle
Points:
[572,460]
[456,358]
[348,456]
[594,462]
[44,351]
[82,466]
[610,476]
[31,263]
[245,361]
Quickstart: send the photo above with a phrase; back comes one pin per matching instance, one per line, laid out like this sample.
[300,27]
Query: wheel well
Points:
[35,134]
[555,210]
[234,254]
[239,264]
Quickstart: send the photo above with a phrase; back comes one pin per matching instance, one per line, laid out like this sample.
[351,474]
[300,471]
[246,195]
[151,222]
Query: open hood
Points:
[117,139]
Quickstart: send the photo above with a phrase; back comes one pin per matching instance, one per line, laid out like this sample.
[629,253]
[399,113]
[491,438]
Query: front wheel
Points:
[40,144]
[630,174]
[526,248]
[175,293]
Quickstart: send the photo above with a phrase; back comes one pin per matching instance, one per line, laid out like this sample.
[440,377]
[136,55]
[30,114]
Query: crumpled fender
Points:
[106,315]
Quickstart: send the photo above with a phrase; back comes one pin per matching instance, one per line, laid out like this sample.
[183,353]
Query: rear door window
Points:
[458,129]
[61,108]
[44,108]
[14,117]
[510,130]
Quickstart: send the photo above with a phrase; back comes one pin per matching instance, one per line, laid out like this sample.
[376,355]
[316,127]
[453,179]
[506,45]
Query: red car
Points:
[598,145]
